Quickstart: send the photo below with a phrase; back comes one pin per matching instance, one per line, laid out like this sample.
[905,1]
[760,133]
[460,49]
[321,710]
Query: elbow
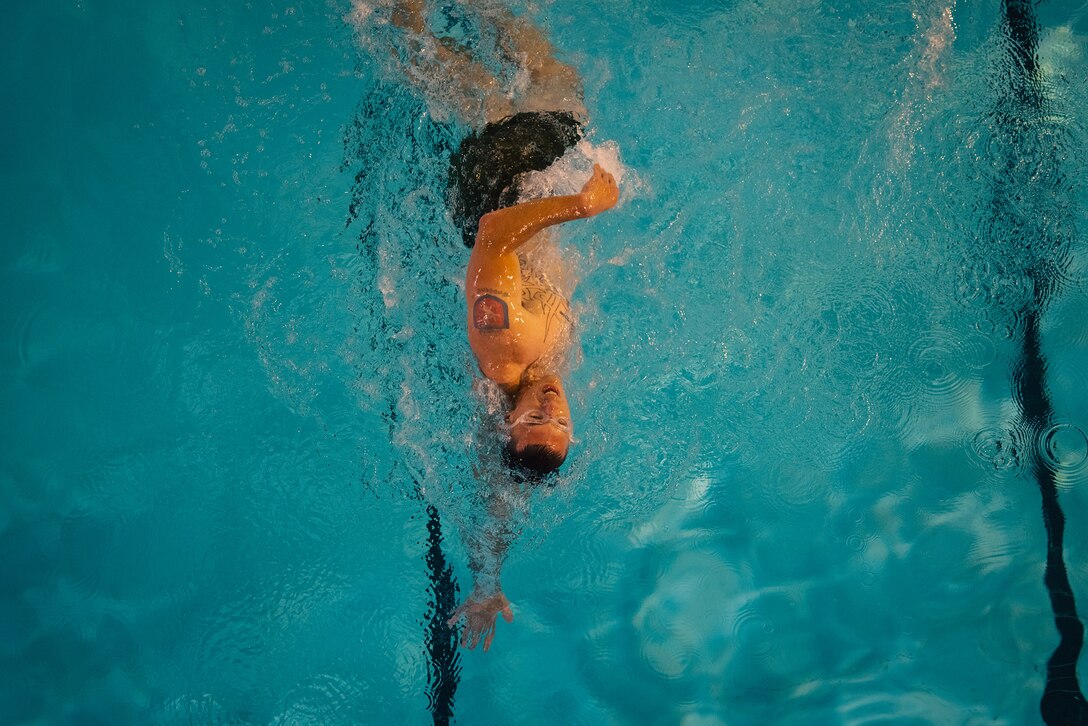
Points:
[489,233]
[485,230]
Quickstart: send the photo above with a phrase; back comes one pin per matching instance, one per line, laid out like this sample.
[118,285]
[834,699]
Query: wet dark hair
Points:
[539,458]
[535,463]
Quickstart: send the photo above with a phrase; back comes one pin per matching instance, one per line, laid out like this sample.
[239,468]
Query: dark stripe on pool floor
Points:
[444,666]
[1062,701]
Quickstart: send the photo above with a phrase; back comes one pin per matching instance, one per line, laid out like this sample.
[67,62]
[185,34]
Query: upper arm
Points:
[505,229]
[493,270]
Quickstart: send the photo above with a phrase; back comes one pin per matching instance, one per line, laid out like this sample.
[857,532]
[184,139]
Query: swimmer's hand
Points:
[599,193]
[481,613]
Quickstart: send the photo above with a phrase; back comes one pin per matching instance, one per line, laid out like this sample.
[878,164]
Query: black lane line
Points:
[444,667]
[440,638]
[1063,701]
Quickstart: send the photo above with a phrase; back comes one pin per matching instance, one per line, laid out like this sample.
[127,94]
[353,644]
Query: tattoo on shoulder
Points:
[546,303]
[490,313]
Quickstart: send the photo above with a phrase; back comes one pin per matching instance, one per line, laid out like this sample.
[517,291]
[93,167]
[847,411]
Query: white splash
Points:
[570,172]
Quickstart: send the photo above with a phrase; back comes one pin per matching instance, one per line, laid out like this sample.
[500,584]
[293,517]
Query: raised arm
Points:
[504,230]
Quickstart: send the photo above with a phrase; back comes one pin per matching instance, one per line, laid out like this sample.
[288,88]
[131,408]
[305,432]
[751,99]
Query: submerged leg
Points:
[552,85]
[439,68]
[446,72]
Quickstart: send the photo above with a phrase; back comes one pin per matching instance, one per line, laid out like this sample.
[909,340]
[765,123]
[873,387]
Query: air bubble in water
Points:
[997,448]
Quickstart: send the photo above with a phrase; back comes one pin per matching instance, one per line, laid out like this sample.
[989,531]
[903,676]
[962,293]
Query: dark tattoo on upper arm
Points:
[490,313]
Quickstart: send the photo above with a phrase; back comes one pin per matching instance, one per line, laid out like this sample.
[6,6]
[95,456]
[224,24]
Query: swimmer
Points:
[519,324]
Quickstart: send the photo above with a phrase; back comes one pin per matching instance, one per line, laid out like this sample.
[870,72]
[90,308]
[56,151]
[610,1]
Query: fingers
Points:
[600,171]
[475,633]
[469,637]
[481,620]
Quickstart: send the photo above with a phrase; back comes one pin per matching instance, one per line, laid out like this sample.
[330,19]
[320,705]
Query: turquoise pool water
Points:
[234,374]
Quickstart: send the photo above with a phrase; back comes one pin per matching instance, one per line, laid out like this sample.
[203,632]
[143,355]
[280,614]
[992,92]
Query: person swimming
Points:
[519,324]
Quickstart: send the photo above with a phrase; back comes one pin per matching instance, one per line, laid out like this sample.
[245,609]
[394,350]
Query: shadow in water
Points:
[444,665]
[1062,701]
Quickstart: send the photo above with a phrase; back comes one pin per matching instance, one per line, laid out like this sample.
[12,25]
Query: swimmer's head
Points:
[540,425]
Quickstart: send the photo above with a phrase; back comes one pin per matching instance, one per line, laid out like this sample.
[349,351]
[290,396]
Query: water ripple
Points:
[939,356]
[754,631]
[996,449]
[324,699]
[1065,447]
[681,635]
[908,707]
